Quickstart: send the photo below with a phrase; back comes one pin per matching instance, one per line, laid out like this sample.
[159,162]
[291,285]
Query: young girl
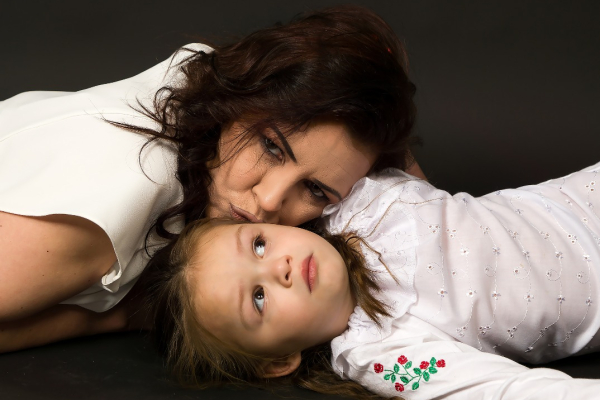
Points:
[449,291]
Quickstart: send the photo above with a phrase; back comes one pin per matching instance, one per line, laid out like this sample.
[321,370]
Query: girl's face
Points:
[285,180]
[270,290]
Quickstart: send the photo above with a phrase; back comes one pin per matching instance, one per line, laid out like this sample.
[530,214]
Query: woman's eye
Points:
[259,246]
[259,299]
[315,190]
[273,148]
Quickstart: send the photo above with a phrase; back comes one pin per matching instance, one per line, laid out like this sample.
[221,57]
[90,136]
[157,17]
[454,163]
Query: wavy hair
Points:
[198,358]
[342,63]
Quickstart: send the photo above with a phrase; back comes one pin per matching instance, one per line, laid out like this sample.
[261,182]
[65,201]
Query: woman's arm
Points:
[45,260]
[58,323]
[64,321]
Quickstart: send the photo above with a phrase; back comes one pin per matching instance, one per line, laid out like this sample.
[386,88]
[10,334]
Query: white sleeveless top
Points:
[515,273]
[59,156]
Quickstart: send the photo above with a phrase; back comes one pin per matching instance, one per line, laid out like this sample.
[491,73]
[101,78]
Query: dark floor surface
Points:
[125,367]
[115,367]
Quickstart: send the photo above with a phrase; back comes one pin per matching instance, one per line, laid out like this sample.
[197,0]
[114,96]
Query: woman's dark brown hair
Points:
[342,63]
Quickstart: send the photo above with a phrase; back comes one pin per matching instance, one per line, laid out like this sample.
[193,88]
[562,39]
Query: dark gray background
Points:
[508,92]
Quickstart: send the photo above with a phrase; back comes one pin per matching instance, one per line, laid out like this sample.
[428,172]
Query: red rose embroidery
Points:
[404,373]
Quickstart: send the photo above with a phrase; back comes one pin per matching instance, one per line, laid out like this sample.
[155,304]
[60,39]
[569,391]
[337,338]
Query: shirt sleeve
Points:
[429,368]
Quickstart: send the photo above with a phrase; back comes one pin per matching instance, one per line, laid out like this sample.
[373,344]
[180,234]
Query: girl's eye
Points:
[259,299]
[258,245]
[315,190]
[272,148]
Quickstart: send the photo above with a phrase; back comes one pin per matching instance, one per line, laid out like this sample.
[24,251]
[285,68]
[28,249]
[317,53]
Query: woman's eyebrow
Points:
[288,150]
[328,189]
[285,143]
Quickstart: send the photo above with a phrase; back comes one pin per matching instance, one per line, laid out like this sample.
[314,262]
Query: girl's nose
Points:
[281,270]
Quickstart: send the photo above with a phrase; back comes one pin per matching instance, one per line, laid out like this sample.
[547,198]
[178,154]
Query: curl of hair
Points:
[199,359]
[342,63]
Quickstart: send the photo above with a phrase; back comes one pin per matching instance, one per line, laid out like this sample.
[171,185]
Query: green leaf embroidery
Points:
[414,375]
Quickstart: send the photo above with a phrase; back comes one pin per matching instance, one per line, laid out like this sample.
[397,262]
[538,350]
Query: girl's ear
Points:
[282,366]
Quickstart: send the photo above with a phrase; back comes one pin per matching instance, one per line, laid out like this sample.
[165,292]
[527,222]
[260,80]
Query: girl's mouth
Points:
[242,215]
[309,272]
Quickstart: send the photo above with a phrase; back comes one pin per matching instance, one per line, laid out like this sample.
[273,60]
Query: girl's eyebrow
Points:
[238,239]
[241,307]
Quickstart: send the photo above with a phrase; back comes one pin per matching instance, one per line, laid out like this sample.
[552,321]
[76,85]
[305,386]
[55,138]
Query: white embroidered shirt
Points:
[477,282]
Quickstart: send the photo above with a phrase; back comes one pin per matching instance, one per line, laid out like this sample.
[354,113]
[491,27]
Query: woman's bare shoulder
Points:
[45,260]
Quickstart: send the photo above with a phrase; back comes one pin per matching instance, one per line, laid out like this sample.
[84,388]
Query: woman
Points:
[271,128]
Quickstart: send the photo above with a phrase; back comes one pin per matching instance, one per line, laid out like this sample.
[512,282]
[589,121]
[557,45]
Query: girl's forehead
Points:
[212,239]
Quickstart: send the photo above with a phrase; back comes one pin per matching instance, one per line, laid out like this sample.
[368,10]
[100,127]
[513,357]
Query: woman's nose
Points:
[271,192]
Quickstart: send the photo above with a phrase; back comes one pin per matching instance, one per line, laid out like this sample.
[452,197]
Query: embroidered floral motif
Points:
[482,330]
[528,297]
[403,372]
[434,228]
[591,187]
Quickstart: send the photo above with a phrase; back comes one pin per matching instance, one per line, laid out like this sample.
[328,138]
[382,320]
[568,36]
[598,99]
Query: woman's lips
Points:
[309,272]
[242,215]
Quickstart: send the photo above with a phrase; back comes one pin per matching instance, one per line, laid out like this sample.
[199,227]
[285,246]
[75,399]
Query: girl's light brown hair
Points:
[198,358]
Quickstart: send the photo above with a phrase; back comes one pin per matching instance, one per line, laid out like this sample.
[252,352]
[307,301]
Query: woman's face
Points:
[285,180]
